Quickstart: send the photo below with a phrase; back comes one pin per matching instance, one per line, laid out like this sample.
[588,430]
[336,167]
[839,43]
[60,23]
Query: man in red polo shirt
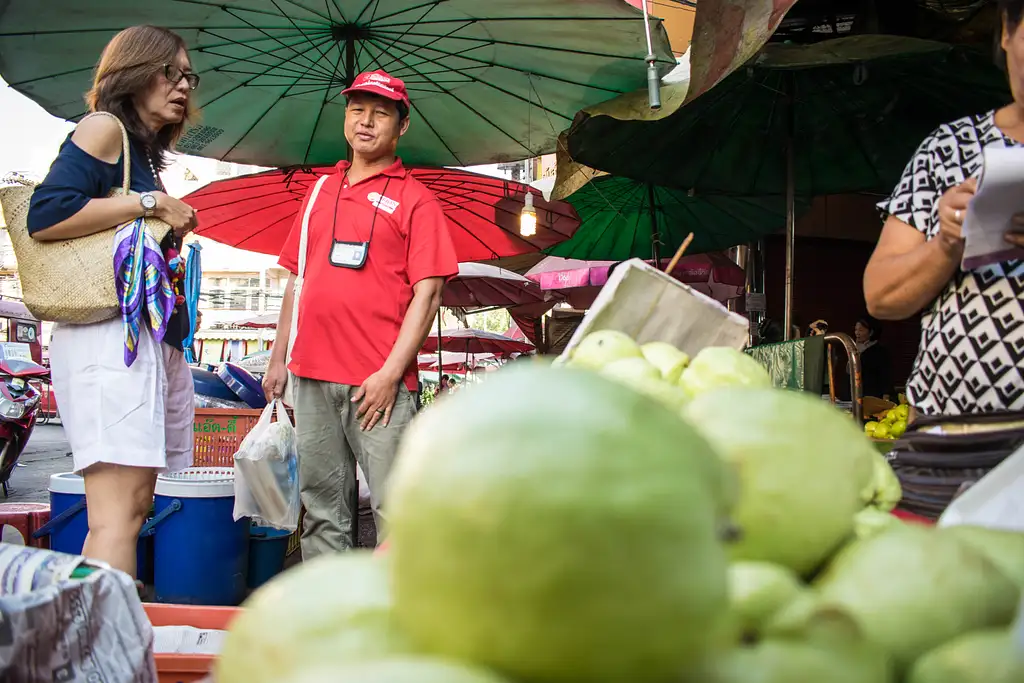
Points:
[377,257]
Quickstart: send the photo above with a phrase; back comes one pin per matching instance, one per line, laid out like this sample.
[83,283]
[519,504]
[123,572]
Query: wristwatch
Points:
[148,202]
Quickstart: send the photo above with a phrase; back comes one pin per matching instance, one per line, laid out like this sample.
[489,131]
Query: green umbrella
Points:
[851,110]
[622,219]
[844,115]
[489,81]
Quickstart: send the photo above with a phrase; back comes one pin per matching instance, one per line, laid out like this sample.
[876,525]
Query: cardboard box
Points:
[648,305]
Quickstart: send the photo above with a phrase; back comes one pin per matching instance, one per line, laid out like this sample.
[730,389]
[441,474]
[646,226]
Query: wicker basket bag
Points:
[69,281]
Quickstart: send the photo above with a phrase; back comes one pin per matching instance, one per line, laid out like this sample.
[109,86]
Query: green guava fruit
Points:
[989,656]
[330,611]
[912,588]
[629,370]
[600,348]
[640,375]
[405,670]
[573,537]
[872,521]
[669,360]
[802,466]
[1004,547]
[757,591]
[827,647]
[884,491]
[719,366]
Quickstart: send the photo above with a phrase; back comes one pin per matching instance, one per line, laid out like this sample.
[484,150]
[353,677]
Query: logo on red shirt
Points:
[381,202]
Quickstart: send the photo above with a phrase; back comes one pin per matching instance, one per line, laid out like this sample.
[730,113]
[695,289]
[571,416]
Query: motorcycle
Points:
[19,406]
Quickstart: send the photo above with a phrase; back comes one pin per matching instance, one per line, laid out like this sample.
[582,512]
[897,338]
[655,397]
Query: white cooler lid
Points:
[198,482]
[67,482]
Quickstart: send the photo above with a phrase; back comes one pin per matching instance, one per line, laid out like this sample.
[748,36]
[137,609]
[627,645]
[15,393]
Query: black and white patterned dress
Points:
[971,357]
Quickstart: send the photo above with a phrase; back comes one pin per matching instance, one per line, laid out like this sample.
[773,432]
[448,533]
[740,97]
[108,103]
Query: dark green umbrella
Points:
[852,111]
[489,81]
[840,116]
[622,219]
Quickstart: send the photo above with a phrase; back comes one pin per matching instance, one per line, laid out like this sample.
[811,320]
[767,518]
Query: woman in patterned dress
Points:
[971,355]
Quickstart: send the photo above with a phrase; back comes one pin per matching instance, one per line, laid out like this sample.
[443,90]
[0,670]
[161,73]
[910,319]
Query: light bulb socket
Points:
[653,84]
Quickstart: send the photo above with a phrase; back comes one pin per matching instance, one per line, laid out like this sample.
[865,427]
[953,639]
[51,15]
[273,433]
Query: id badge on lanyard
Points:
[352,255]
[349,254]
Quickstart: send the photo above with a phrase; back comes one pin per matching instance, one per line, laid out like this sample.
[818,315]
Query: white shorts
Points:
[140,416]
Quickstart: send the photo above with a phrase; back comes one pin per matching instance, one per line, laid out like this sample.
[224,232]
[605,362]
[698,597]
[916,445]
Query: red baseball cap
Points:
[379,83]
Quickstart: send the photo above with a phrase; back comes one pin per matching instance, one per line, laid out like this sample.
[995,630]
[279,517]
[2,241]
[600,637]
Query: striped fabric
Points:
[143,285]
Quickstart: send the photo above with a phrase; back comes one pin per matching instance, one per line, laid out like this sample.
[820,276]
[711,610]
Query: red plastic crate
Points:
[218,433]
[187,668]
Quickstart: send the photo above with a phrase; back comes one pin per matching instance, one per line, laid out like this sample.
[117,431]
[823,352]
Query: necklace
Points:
[156,176]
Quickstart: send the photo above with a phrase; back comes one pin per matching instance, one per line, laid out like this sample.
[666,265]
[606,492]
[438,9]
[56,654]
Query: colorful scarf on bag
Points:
[143,285]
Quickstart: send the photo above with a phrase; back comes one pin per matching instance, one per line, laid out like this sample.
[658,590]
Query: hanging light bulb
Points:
[528,217]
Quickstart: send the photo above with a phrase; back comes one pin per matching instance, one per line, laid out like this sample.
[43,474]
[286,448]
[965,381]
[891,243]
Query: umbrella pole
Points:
[790,207]
[655,235]
[440,358]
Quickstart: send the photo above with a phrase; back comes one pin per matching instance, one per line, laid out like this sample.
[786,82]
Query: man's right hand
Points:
[275,380]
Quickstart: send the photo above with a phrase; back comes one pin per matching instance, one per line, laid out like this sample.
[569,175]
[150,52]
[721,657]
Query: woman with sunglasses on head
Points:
[125,422]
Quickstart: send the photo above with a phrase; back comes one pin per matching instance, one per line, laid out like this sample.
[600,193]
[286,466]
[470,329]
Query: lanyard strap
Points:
[376,208]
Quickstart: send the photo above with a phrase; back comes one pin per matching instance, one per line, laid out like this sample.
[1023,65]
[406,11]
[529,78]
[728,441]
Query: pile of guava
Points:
[632,515]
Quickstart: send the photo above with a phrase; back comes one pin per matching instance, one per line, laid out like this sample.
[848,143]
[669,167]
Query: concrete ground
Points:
[47,453]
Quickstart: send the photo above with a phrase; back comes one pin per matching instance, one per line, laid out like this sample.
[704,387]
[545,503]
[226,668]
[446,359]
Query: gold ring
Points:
[957,216]
[380,410]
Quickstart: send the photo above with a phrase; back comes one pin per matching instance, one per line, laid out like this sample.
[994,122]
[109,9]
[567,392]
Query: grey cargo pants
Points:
[330,444]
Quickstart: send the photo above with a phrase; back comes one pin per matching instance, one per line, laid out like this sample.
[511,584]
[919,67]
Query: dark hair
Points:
[129,65]
[874,327]
[1012,12]
[444,377]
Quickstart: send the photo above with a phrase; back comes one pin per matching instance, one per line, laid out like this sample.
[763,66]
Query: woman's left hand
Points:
[1016,236]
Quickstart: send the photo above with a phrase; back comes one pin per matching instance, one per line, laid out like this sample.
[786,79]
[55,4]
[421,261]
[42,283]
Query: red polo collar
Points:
[395,170]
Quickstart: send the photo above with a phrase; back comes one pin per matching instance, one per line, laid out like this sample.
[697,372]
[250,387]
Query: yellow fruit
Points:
[882,431]
[870,428]
[902,411]
[898,428]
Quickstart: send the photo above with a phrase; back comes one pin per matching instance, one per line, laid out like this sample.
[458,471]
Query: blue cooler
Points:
[69,523]
[201,554]
[268,549]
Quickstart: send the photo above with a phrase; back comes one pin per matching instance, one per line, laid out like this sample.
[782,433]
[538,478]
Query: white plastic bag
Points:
[267,472]
[996,500]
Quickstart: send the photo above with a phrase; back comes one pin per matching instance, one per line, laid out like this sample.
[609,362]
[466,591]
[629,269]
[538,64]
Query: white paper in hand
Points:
[990,214]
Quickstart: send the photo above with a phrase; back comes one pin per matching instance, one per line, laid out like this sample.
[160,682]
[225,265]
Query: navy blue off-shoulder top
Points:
[74,178]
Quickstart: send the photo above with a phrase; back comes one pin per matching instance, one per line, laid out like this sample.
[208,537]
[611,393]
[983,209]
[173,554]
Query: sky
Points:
[29,137]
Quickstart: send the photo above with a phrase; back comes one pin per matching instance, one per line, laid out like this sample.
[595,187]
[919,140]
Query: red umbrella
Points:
[268,321]
[476,341]
[515,333]
[256,212]
[479,285]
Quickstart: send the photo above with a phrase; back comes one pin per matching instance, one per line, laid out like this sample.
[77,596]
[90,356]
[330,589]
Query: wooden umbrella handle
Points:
[679,253]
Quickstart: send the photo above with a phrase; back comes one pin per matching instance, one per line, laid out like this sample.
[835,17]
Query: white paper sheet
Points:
[990,214]
[187,640]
